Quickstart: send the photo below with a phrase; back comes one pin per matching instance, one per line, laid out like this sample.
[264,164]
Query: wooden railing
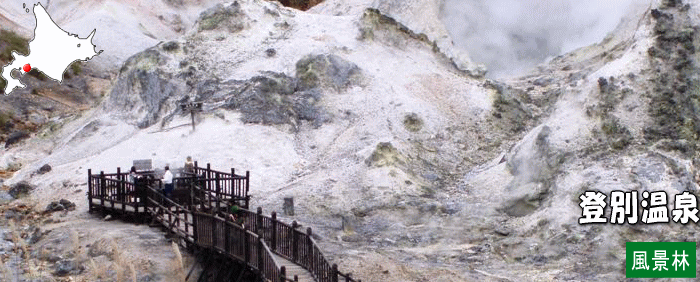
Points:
[113,190]
[178,221]
[223,185]
[237,243]
[254,243]
[290,243]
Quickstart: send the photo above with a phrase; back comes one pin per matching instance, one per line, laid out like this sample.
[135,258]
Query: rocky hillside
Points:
[44,105]
[408,164]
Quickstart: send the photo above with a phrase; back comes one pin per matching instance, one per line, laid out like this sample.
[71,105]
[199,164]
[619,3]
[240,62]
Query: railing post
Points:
[194,228]
[178,211]
[202,182]
[259,221]
[201,202]
[295,242]
[273,240]
[261,267]
[167,207]
[247,180]
[334,273]
[89,190]
[208,172]
[192,184]
[310,249]
[234,189]
[214,241]
[176,223]
[122,189]
[283,274]
[218,195]
[143,192]
[119,185]
[195,167]
[227,236]
[103,184]
[246,255]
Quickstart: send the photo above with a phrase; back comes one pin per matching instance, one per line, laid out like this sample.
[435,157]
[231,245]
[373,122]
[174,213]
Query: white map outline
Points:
[57,50]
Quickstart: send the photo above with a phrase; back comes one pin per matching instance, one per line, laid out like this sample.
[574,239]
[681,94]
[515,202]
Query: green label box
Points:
[661,260]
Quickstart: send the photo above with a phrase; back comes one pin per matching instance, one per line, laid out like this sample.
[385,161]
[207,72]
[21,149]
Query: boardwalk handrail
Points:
[224,185]
[253,244]
[290,243]
[203,170]
[114,190]
[161,205]
[240,244]
[299,247]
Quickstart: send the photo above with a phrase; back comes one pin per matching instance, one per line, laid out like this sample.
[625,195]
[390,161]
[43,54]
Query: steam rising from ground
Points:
[512,36]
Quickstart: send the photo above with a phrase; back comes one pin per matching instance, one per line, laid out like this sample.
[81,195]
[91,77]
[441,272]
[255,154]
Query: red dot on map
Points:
[27,68]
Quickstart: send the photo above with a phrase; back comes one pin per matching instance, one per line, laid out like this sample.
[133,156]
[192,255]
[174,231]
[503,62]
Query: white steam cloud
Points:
[513,36]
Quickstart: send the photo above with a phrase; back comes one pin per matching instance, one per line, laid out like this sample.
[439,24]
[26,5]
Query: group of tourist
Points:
[167,179]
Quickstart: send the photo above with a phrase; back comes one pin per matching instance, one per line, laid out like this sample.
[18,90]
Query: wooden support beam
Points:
[90,191]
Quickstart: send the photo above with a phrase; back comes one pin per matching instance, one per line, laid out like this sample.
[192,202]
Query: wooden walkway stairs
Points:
[197,215]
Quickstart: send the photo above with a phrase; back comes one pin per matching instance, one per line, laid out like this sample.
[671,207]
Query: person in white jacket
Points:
[167,182]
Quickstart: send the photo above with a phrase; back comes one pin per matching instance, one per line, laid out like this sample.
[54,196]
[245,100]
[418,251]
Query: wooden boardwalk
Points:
[294,270]
[196,216]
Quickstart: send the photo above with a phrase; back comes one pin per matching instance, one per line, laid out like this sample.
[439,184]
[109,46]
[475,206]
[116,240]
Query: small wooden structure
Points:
[192,107]
[273,250]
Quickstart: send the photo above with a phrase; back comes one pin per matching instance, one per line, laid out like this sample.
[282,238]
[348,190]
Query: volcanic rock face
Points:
[146,94]
[407,163]
[142,90]
[326,70]
[422,17]
[227,17]
[673,62]
[152,82]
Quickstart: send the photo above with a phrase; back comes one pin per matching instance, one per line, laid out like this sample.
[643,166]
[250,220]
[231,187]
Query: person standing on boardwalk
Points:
[236,217]
[133,175]
[189,165]
[167,182]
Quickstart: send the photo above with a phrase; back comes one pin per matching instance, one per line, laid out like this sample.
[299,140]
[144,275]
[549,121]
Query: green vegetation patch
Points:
[4,118]
[326,70]
[39,75]
[76,68]
[9,42]
[230,17]
[675,94]
[171,46]
[620,137]
[413,122]
[384,155]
